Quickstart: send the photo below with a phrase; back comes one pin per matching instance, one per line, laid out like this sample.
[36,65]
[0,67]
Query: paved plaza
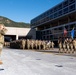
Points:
[31,62]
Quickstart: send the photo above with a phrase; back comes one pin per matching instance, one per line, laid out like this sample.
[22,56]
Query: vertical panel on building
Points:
[38,35]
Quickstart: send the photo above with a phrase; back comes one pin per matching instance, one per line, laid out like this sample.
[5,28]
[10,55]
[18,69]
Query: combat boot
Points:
[1,62]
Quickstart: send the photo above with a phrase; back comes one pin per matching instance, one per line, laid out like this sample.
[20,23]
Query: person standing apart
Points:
[2,33]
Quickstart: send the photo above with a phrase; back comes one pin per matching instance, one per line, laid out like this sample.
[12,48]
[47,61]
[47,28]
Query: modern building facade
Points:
[50,24]
[15,33]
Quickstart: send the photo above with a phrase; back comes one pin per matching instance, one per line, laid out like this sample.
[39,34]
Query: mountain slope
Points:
[9,23]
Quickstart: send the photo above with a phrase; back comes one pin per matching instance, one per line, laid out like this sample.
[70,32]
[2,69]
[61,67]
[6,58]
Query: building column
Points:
[16,37]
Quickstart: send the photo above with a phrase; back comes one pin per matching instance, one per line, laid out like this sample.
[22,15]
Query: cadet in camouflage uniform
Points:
[36,44]
[67,45]
[52,45]
[23,44]
[71,45]
[39,44]
[28,44]
[48,45]
[2,33]
[60,44]
[64,46]
[74,44]
[32,44]
[44,44]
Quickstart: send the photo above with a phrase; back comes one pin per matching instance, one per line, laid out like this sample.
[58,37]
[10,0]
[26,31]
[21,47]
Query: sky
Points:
[25,10]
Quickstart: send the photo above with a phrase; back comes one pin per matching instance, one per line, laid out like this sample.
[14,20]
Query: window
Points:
[65,4]
[60,28]
[55,15]
[60,13]
[51,11]
[51,17]
[48,12]
[55,9]
[60,7]
[65,10]
[71,1]
[72,7]
[44,33]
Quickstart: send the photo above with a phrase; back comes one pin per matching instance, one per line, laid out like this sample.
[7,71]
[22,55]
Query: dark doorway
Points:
[9,38]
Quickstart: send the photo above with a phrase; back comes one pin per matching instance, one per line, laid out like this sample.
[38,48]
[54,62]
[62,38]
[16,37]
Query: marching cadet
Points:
[71,45]
[74,44]
[64,46]
[36,44]
[48,45]
[39,44]
[44,44]
[28,44]
[32,44]
[68,46]
[60,44]
[52,45]
[23,44]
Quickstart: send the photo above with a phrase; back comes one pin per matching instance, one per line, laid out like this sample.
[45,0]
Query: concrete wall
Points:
[17,31]
[32,33]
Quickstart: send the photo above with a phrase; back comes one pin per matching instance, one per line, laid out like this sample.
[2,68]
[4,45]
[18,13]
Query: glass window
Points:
[72,7]
[51,17]
[65,4]
[55,9]
[71,1]
[48,12]
[55,15]
[44,32]
[51,37]
[51,11]
[60,13]
[60,28]
[65,10]
[60,7]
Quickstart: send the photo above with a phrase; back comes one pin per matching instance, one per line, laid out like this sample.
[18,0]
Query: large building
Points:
[15,33]
[50,24]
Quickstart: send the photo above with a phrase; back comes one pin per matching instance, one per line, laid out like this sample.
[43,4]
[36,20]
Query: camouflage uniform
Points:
[32,44]
[60,45]
[52,45]
[23,44]
[28,44]
[2,33]
[64,46]
[74,44]
[44,45]
[48,45]
[68,46]
[71,45]
[36,44]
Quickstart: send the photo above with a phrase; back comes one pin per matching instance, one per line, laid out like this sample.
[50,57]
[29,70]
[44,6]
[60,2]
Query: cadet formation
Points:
[67,46]
[32,44]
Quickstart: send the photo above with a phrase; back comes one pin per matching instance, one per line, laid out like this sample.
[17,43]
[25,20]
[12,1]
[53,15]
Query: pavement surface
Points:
[31,62]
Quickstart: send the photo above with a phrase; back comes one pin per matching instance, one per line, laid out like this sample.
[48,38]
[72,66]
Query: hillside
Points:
[9,23]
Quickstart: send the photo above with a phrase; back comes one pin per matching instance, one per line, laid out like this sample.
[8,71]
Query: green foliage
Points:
[9,23]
